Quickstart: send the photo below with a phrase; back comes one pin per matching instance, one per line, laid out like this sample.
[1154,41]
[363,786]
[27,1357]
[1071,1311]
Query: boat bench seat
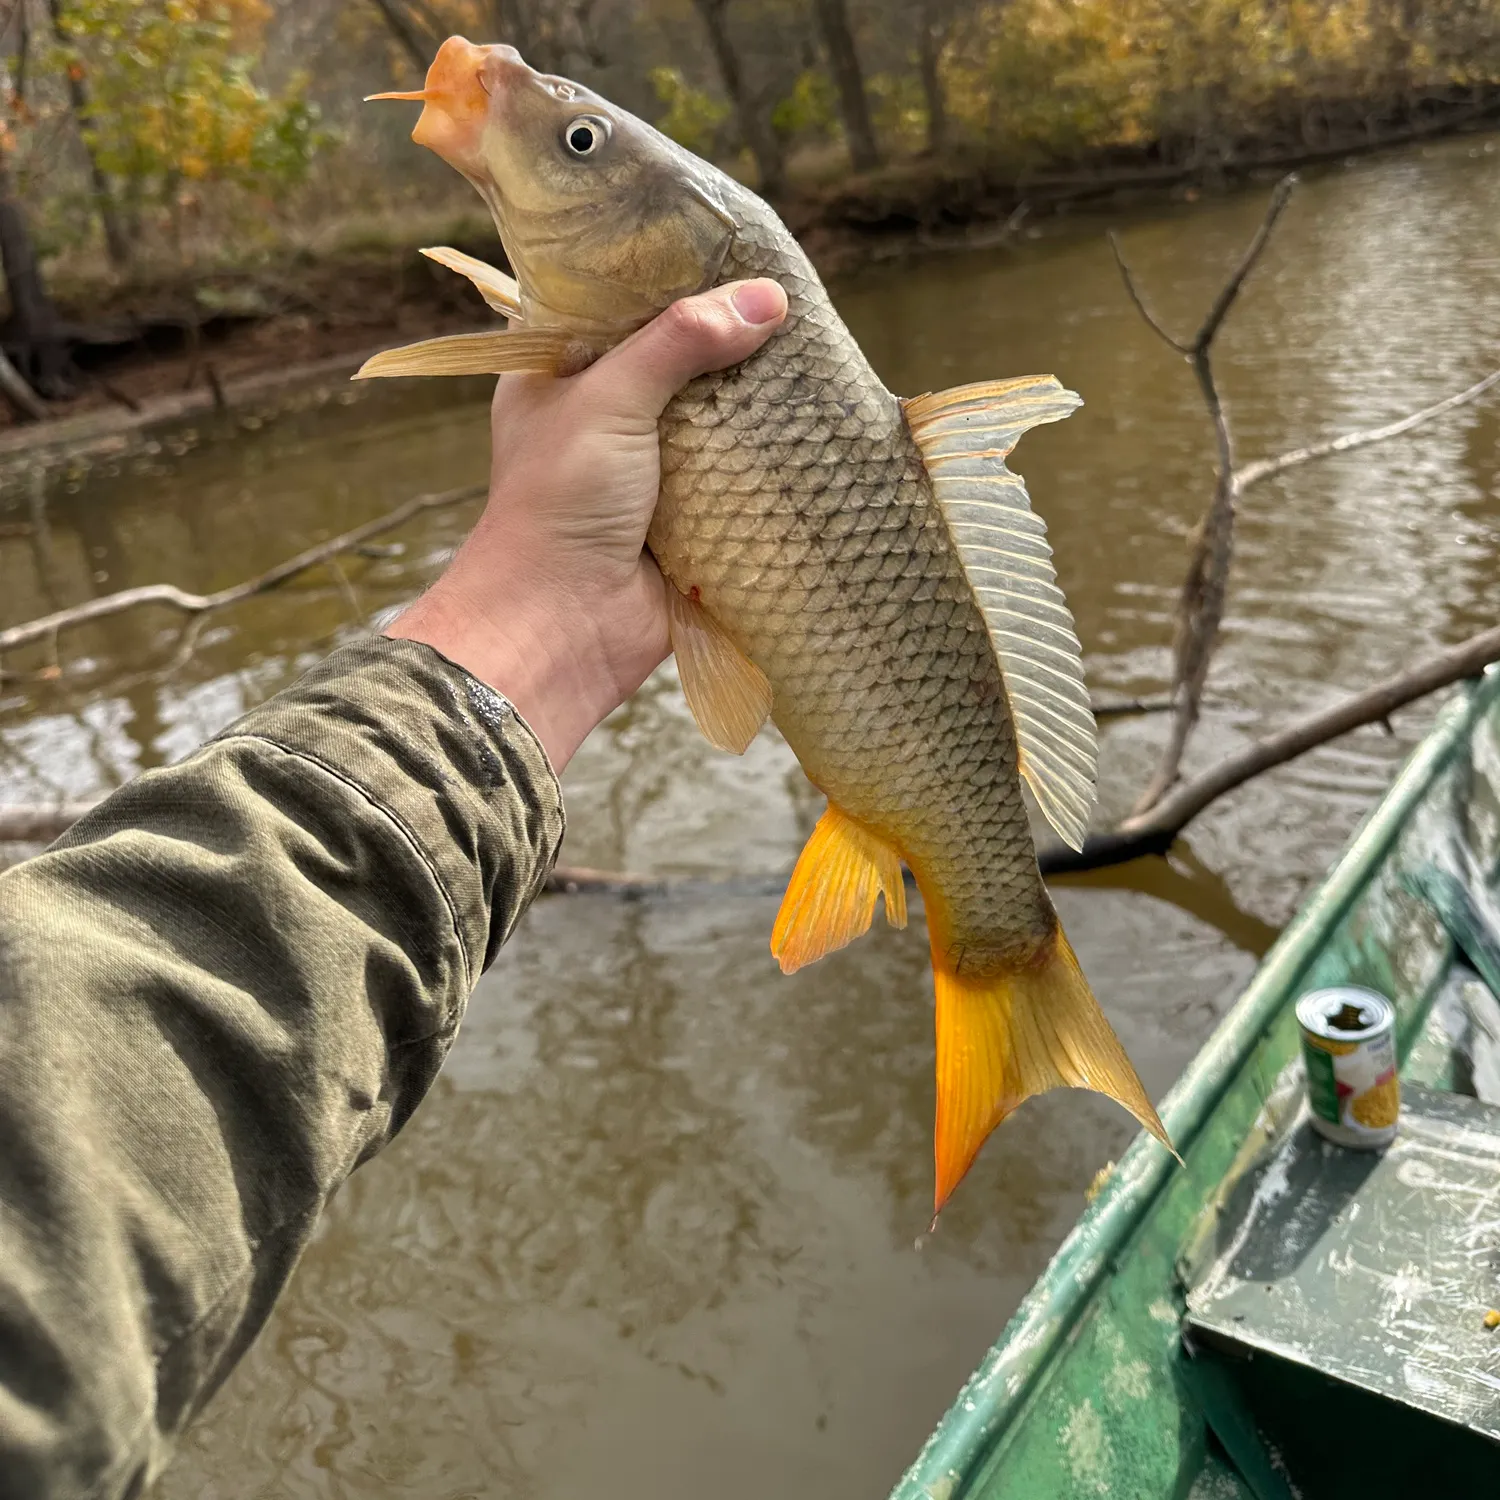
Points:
[1338,1331]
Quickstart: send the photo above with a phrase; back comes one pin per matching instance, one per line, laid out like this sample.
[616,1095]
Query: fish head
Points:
[605,220]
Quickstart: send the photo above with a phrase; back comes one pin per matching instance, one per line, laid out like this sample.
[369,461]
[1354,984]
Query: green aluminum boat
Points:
[1283,1317]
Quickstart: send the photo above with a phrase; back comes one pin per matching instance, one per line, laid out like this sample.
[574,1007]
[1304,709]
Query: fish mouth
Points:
[456,96]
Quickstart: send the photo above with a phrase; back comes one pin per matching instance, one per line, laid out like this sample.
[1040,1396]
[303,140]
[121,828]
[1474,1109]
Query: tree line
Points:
[156,132]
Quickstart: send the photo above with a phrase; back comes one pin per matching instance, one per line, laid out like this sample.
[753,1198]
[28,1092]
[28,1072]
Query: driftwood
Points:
[49,626]
[1205,589]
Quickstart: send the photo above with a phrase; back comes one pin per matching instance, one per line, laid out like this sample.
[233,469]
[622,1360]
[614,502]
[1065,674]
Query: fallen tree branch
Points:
[1200,611]
[1372,706]
[195,604]
[1266,468]
[1151,833]
[1119,708]
[1201,605]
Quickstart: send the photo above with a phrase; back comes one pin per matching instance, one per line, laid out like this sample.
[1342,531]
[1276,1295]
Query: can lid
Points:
[1345,1013]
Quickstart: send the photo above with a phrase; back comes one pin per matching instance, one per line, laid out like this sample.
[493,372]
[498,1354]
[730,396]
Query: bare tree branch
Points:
[1136,297]
[1153,833]
[1280,196]
[1372,706]
[1267,468]
[1119,708]
[170,595]
[39,825]
[1200,610]
[1202,602]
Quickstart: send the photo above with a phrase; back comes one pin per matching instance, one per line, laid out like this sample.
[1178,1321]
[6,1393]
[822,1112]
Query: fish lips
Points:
[462,82]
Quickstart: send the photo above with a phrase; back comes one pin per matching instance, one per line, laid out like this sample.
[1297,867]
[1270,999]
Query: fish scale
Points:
[844,587]
[868,572]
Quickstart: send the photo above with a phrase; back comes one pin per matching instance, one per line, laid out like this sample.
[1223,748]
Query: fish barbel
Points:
[864,570]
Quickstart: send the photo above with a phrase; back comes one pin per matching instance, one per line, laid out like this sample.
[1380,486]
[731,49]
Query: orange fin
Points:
[830,899]
[499,291]
[1003,1037]
[501,352]
[729,695]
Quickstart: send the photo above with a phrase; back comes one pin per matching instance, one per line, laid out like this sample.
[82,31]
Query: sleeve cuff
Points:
[444,756]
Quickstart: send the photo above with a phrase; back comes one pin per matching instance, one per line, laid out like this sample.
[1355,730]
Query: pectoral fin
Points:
[498,290]
[964,436]
[830,899]
[1003,1037]
[728,694]
[502,352]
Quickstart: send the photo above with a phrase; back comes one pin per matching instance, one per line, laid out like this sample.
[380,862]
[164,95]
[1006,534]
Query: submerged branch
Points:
[173,597]
[1120,708]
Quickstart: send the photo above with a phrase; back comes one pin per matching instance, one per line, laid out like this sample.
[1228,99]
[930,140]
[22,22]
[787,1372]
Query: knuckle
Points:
[691,321]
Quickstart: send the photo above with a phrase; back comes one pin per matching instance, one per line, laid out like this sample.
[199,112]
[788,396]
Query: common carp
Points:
[864,570]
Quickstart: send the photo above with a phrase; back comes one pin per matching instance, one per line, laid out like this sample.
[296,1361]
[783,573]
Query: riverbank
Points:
[175,344]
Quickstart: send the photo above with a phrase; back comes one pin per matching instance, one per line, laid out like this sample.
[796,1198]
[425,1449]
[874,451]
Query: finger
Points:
[707,332]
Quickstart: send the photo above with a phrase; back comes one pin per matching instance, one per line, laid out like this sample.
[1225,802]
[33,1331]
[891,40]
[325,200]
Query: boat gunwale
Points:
[996,1393]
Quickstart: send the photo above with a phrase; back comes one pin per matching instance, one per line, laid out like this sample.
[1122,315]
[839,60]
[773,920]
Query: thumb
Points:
[715,329]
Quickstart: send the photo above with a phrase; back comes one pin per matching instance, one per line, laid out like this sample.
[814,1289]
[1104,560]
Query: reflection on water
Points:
[657,1230]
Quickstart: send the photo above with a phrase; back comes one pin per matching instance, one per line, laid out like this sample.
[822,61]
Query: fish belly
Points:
[796,505]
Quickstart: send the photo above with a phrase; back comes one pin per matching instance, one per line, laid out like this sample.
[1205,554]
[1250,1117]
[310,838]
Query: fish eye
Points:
[585,135]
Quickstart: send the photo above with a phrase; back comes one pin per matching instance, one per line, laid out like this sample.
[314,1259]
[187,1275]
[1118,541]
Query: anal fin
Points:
[1003,1037]
[729,695]
[830,899]
[538,351]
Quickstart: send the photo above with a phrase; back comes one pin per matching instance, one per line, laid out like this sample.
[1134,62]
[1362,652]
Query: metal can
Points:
[1349,1047]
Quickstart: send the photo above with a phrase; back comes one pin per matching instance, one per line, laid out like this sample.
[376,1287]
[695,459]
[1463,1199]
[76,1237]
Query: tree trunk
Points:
[22,398]
[514,25]
[414,41]
[116,242]
[929,50]
[755,128]
[34,325]
[843,63]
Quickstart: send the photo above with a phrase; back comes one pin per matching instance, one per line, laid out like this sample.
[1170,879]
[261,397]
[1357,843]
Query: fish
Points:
[864,570]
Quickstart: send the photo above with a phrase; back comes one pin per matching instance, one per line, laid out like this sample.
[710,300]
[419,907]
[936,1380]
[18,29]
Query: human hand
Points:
[552,599]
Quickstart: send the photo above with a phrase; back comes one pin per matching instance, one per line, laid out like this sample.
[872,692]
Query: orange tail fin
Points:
[1003,1037]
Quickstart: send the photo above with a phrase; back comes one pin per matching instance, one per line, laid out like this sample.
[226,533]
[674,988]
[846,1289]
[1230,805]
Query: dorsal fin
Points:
[498,290]
[964,436]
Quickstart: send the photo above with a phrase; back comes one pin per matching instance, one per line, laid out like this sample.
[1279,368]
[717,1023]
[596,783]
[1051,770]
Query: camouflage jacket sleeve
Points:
[219,994]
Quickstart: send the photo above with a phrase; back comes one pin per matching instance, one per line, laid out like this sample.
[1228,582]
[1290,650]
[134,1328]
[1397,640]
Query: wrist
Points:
[548,662]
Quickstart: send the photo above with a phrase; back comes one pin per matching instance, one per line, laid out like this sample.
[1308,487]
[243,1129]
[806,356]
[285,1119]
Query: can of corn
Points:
[1349,1047]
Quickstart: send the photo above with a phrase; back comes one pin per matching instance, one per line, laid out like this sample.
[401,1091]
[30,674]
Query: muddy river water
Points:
[658,1229]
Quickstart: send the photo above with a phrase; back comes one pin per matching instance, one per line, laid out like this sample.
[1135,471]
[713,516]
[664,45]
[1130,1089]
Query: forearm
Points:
[221,992]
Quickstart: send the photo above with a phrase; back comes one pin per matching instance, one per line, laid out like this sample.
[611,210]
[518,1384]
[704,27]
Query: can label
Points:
[1349,1048]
